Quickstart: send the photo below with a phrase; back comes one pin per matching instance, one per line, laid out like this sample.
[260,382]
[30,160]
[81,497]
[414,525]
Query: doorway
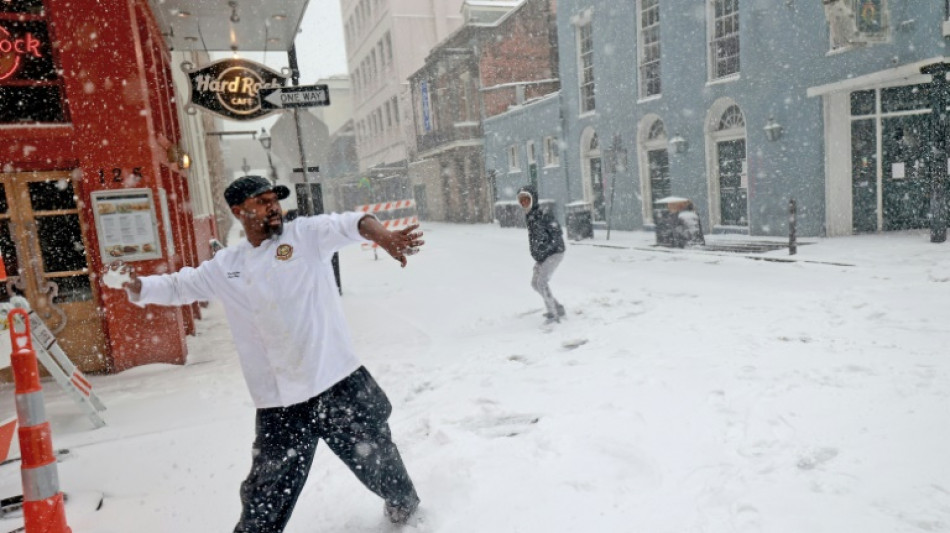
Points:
[733,193]
[597,189]
[42,238]
[891,141]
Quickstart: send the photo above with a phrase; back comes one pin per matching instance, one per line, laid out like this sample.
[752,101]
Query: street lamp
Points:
[265,140]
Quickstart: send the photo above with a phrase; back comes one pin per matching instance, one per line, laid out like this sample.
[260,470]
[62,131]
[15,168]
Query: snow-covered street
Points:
[685,392]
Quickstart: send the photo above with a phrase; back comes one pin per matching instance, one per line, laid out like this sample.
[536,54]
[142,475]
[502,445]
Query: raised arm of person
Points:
[183,287]
[399,244]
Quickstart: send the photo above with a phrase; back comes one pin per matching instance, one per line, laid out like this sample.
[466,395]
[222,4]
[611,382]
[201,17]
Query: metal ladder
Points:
[63,371]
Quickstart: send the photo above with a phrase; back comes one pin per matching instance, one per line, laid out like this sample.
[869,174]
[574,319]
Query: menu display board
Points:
[127,225]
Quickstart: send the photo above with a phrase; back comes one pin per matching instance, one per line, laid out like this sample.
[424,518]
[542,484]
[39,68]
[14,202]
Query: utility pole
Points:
[939,92]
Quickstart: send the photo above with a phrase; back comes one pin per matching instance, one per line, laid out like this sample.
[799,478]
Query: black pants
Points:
[351,418]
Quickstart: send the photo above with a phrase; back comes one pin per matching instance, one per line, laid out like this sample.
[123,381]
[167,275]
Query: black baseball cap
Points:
[250,186]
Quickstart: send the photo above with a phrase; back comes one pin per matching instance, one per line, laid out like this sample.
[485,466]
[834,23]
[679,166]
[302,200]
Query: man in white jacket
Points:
[283,306]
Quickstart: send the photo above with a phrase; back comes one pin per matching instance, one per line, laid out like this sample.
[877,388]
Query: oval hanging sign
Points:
[231,88]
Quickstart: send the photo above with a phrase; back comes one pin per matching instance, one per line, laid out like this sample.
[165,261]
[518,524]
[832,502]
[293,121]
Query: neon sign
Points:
[12,49]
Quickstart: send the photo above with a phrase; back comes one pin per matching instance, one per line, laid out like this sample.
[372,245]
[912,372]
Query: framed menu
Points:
[126,225]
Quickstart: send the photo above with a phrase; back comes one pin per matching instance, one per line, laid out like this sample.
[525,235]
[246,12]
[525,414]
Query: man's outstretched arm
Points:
[399,244]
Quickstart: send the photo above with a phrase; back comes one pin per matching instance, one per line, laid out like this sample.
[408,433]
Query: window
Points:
[649,49]
[731,119]
[513,164]
[552,157]
[395,102]
[31,86]
[388,39]
[724,38]
[389,116]
[585,50]
[532,153]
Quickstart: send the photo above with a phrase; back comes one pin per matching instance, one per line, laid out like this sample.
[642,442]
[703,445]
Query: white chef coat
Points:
[282,304]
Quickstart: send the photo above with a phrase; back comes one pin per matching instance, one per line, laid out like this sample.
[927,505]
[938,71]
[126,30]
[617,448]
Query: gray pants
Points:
[539,281]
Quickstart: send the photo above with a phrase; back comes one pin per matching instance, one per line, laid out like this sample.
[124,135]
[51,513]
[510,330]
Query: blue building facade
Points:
[744,105]
[523,147]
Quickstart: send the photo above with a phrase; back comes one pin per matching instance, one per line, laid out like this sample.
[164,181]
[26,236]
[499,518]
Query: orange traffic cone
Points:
[43,507]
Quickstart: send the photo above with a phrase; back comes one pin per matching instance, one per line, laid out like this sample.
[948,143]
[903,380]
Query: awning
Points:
[901,75]
[229,25]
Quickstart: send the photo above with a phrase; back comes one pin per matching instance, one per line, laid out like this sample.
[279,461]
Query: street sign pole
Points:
[295,73]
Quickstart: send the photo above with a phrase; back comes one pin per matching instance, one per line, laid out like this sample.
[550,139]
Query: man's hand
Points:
[120,275]
[399,244]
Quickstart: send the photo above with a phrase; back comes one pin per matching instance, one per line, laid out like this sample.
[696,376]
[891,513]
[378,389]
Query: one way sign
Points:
[302,96]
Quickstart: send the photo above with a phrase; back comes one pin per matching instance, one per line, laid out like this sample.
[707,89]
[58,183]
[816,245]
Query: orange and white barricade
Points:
[43,505]
[393,215]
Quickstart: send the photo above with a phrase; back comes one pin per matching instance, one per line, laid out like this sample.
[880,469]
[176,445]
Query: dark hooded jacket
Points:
[544,233]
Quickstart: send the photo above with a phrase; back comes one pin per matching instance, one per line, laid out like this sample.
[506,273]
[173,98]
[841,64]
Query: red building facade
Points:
[87,107]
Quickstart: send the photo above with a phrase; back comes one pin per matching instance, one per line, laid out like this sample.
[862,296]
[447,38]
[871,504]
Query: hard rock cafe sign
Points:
[231,87]
[13,49]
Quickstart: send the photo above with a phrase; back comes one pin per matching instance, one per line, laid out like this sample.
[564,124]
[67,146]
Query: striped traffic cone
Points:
[43,507]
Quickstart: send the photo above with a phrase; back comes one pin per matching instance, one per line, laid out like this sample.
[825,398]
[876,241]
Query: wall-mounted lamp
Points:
[177,156]
[773,130]
[678,144]
[234,14]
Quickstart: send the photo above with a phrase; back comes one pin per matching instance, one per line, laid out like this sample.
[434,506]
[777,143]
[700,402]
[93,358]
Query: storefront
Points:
[89,173]
[878,141]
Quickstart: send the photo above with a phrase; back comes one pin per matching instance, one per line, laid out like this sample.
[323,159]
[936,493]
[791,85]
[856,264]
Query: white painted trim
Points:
[727,79]
[946,28]
[839,209]
[648,99]
[903,75]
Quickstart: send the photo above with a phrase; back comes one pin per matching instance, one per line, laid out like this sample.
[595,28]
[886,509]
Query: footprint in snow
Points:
[816,458]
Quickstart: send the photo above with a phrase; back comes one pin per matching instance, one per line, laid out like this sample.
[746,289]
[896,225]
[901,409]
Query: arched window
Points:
[731,119]
[657,131]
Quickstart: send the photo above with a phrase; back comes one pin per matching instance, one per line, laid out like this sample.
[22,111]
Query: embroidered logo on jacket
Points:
[285,252]
[232,275]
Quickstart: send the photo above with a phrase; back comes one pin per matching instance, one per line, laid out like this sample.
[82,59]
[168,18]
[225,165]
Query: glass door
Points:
[864,176]
[733,195]
[659,163]
[44,251]
[597,188]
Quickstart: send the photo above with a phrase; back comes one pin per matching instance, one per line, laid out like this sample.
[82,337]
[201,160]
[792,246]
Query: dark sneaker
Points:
[550,319]
[560,310]
[400,514]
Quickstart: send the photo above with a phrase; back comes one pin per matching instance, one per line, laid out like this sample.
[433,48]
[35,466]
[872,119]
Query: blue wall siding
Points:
[532,122]
[784,51]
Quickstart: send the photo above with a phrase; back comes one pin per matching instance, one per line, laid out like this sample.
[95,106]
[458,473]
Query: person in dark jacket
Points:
[547,249]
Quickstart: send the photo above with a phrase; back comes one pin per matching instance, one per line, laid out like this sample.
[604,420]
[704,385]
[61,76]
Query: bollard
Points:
[792,230]
[43,506]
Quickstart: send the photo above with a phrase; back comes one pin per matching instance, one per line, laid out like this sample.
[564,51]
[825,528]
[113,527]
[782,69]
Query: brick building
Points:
[505,53]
